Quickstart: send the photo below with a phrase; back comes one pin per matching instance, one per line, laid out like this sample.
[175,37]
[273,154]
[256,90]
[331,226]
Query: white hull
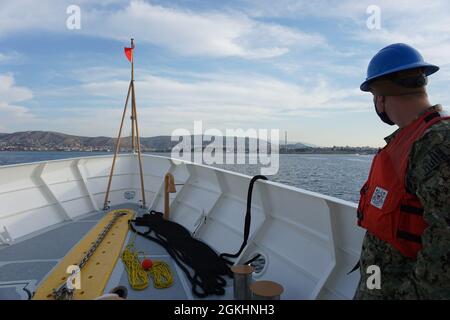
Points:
[310,240]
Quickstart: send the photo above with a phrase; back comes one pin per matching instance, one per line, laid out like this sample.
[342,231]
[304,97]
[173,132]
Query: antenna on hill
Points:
[285,141]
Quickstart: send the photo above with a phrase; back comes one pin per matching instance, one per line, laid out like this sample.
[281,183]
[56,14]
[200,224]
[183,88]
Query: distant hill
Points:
[297,145]
[48,140]
[56,141]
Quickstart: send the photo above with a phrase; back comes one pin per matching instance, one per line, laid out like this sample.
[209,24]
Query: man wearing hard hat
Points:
[405,203]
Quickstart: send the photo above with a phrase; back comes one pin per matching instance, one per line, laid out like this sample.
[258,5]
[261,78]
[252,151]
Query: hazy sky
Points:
[291,65]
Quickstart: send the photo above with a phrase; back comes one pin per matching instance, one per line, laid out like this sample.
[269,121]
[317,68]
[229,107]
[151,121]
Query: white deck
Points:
[310,241]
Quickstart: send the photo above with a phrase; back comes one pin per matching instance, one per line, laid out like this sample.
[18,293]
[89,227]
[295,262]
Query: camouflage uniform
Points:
[428,277]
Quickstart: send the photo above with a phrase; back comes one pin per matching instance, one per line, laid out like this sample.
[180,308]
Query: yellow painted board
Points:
[95,274]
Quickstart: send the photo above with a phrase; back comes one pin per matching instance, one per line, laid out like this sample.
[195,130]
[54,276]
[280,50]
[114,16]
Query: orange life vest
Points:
[386,209]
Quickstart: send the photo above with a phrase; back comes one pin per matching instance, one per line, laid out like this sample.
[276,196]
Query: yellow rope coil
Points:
[161,274]
[138,277]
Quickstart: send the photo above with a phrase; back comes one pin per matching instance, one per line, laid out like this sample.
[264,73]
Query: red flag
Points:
[129,53]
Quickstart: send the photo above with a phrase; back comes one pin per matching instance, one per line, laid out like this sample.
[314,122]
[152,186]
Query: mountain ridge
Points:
[57,141]
[51,140]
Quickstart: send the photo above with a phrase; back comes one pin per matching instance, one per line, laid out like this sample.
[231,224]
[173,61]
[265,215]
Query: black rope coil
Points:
[209,268]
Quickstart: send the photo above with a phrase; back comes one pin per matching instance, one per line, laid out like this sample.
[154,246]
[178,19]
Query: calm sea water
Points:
[340,176]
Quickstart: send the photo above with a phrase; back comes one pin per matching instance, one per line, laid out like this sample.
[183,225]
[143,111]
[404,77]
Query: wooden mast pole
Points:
[133,138]
[138,144]
[135,128]
[105,204]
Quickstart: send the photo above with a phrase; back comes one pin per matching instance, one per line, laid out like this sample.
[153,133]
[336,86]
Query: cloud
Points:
[182,31]
[168,101]
[3,57]
[26,15]
[10,94]
[341,10]
[215,90]
[10,57]
[423,24]
[298,74]
[200,33]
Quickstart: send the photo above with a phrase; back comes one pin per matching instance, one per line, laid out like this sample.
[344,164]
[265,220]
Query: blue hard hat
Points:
[393,58]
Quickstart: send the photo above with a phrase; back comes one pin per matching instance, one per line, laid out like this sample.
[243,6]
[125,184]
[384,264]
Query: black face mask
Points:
[383,115]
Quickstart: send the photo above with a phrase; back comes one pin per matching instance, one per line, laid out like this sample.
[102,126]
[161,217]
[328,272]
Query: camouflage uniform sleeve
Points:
[429,177]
